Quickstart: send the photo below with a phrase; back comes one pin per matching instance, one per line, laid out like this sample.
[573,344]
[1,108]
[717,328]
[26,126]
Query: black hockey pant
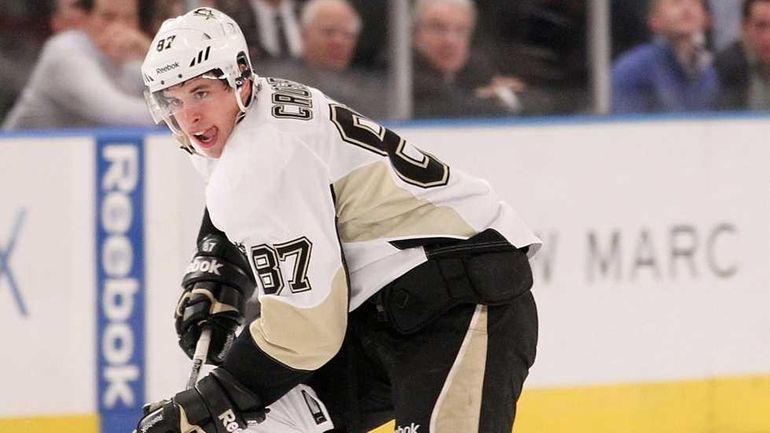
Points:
[462,372]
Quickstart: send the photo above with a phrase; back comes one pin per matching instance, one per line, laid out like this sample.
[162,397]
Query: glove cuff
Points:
[219,403]
[243,398]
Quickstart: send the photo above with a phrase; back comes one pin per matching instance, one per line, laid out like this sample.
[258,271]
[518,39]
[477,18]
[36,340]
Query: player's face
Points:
[443,35]
[205,110]
[756,30]
[329,40]
[679,18]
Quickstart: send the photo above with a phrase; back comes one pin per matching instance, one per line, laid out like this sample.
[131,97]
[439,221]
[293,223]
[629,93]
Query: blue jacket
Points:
[650,79]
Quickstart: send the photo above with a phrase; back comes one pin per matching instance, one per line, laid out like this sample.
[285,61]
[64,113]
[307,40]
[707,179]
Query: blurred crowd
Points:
[75,63]
[692,55]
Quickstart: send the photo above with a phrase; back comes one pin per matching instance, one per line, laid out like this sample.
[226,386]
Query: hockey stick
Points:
[199,357]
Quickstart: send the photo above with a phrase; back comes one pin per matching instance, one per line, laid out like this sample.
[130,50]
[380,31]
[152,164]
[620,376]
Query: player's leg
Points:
[355,387]
[513,334]
[463,372]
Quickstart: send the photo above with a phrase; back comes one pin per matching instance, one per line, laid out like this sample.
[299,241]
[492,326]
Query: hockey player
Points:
[393,285]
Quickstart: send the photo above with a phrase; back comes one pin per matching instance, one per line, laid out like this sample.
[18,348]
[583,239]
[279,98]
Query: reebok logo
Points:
[149,424]
[120,298]
[167,68]
[228,421]
[412,428]
[204,265]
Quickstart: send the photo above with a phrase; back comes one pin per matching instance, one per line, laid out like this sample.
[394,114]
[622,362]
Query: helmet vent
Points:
[203,55]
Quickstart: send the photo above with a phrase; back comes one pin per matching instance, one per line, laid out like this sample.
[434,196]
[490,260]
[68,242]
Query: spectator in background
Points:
[24,28]
[628,24]
[330,30]
[88,77]
[744,66]
[446,81]
[542,42]
[271,27]
[629,29]
[673,73]
[372,49]
[68,14]
[152,13]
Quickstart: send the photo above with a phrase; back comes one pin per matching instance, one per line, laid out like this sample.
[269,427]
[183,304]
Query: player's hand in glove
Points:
[217,404]
[216,285]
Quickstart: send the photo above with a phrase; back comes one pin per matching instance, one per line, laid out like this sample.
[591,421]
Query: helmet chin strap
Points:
[186,144]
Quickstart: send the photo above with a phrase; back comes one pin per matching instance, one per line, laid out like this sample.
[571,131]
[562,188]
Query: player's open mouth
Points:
[206,137]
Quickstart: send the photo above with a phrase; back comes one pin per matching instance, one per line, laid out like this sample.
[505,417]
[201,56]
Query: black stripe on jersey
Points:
[314,407]
[405,244]
[207,227]
[425,171]
[339,244]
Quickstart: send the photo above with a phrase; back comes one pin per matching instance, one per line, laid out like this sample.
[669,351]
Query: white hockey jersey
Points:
[316,195]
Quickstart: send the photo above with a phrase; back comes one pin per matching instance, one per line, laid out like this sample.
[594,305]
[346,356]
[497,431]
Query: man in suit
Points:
[744,67]
[450,80]
[330,30]
[271,27]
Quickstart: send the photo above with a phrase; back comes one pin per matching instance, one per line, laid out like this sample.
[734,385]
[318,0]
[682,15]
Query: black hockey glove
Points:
[216,285]
[217,404]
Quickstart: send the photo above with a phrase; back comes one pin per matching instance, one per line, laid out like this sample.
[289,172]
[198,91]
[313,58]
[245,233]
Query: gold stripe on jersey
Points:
[458,409]
[299,337]
[370,205]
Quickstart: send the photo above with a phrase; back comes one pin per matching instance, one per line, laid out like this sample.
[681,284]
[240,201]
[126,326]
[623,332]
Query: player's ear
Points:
[246,90]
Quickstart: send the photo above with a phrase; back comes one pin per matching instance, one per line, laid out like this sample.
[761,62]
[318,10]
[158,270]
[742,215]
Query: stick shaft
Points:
[199,358]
